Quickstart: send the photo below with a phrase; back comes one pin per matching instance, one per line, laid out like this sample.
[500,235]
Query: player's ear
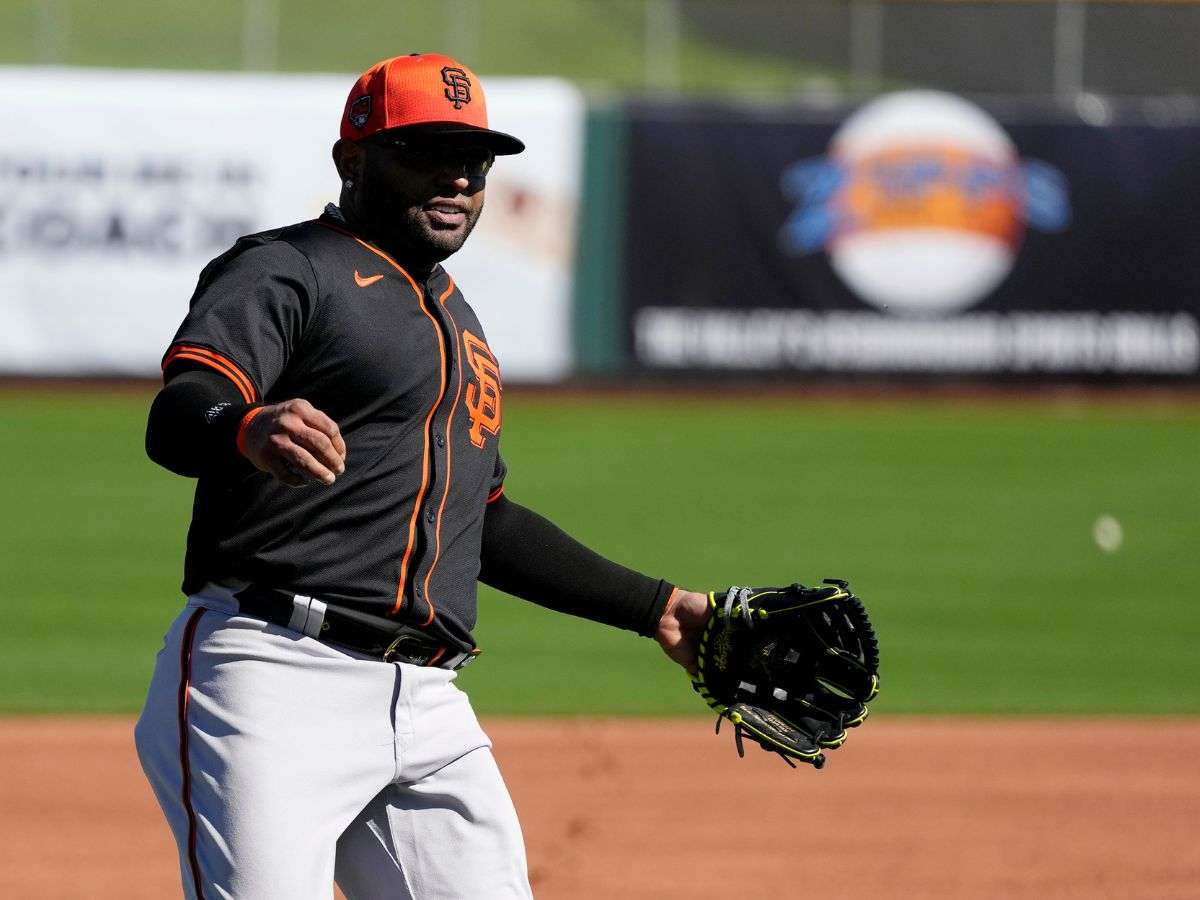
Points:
[349,159]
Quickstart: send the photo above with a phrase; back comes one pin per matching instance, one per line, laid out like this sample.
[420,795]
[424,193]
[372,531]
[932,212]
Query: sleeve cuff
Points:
[658,606]
[243,422]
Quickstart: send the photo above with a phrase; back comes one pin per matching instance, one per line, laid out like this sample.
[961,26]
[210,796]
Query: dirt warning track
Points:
[651,808]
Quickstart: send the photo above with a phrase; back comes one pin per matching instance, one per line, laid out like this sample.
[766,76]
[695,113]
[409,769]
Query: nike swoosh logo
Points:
[365,282]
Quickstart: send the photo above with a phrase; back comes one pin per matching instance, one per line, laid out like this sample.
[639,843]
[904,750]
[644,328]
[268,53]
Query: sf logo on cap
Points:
[360,111]
[458,89]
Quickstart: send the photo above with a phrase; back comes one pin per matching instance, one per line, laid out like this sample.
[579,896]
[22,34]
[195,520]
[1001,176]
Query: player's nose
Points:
[454,180]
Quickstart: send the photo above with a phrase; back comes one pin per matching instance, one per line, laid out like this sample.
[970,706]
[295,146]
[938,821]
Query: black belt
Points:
[353,629]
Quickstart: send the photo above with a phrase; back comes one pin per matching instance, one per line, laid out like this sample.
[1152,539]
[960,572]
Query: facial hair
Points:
[397,220]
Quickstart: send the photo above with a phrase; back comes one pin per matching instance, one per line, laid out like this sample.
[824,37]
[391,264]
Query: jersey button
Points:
[429,515]
[441,441]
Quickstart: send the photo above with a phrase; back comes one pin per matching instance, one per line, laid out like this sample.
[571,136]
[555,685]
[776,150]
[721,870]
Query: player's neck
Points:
[403,255]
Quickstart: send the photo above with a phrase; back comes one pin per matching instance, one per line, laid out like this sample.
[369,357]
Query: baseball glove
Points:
[792,667]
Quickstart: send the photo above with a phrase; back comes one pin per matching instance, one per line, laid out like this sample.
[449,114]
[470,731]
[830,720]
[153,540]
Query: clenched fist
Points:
[295,442]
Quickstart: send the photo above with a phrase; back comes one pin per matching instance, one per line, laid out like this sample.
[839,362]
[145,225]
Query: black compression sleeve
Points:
[528,556]
[192,429]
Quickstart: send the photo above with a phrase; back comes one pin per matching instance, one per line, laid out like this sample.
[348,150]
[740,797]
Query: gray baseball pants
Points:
[282,763]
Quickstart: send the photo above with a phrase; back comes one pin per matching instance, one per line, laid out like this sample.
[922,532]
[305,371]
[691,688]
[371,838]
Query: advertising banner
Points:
[116,188]
[915,234]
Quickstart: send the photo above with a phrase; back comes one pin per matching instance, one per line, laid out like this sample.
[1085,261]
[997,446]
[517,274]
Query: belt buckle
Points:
[394,650]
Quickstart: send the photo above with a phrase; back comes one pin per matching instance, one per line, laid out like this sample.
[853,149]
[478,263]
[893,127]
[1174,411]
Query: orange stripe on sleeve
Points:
[496,494]
[248,394]
[216,361]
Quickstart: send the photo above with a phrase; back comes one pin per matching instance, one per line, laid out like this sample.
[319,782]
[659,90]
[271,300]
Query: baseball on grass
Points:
[1108,534]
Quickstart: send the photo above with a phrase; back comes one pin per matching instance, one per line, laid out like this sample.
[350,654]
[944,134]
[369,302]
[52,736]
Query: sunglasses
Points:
[437,156]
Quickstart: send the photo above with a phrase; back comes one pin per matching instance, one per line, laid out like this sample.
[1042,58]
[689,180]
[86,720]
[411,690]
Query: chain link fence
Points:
[750,47]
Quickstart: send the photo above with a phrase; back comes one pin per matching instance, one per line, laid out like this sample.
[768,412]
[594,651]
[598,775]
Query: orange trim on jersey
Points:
[441,651]
[374,250]
[437,329]
[496,494]
[437,540]
[214,360]
[248,393]
[416,512]
[241,432]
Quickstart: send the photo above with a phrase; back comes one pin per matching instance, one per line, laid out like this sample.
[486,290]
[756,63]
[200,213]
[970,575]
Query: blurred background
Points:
[768,48]
[901,291]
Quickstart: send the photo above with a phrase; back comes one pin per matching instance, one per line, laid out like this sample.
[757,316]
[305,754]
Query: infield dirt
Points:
[651,808]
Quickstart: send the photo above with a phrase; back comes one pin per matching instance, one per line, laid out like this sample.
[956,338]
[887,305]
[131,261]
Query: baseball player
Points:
[338,402]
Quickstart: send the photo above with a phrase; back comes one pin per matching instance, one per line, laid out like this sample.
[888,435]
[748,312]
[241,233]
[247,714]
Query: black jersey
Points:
[310,311]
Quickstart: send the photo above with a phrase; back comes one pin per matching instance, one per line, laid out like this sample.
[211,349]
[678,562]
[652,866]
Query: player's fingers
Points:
[284,471]
[314,418]
[304,462]
[321,447]
[287,459]
[273,458]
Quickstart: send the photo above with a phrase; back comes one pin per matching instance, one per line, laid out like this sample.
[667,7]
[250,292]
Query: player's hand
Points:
[295,442]
[680,627]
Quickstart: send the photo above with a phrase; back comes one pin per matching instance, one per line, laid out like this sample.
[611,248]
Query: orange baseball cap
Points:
[429,90]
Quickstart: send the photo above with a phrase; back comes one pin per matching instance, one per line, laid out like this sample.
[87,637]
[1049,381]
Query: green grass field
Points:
[966,527]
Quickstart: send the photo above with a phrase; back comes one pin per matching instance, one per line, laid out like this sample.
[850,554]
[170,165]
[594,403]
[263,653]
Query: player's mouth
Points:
[446,214]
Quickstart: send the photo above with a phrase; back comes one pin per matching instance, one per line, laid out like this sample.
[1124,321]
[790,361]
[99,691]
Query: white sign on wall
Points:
[116,188]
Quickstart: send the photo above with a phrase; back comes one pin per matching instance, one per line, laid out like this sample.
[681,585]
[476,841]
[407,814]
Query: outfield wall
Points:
[916,235]
[116,187]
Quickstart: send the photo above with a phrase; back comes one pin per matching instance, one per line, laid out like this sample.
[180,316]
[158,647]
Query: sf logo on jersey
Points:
[458,90]
[483,396]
